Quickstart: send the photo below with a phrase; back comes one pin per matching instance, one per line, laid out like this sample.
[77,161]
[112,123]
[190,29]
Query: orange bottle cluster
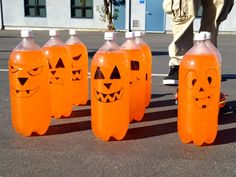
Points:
[118,81]
[55,77]
[46,82]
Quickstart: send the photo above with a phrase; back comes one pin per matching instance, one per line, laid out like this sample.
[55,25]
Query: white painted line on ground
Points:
[159,75]
[4,70]
[153,75]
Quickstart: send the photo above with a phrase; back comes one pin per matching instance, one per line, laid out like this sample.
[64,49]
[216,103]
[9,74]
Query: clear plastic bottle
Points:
[110,91]
[148,56]
[211,46]
[79,59]
[137,62]
[198,94]
[60,75]
[29,88]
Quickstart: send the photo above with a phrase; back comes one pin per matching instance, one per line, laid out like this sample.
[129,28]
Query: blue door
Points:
[155,18]
[119,8]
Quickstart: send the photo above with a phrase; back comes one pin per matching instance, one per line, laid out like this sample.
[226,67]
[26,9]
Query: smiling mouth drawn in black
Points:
[202,102]
[110,97]
[76,75]
[56,80]
[24,93]
[134,82]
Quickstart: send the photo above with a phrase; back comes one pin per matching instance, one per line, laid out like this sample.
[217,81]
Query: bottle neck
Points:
[109,45]
[109,41]
[27,43]
[199,42]
[74,37]
[54,37]
[26,39]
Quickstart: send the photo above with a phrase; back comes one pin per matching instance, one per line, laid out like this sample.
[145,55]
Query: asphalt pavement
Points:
[150,148]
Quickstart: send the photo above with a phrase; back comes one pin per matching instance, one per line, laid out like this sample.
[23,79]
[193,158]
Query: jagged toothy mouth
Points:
[134,82]
[202,102]
[111,97]
[56,80]
[76,75]
[24,93]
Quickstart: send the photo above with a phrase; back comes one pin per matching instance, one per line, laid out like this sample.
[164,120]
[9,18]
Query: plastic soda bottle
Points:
[148,56]
[110,91]
[29,89]
[198,94]
[212,47]
[137,77]
[79,60]
[60,82]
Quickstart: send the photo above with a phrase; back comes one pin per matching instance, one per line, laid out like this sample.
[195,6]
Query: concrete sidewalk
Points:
[150,148]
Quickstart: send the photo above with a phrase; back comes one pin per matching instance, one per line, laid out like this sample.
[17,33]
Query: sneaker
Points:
[172,77]
[227,110]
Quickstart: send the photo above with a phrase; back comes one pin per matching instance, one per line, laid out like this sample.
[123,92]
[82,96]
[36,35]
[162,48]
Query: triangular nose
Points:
[107,85]
[53,72]
[201,89]
[22,80]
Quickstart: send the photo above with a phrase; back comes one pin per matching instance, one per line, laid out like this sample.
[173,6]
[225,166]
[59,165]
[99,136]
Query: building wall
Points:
[229,25]
[0,16]
[58,15]
[138,15]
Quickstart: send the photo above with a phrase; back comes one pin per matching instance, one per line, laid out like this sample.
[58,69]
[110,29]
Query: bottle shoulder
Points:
[73,40]
[130,44]
[27,44]
[53,41]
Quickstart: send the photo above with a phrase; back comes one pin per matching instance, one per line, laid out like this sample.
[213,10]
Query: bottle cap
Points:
[129,34]
[26,33]
[207,34]
[109,35]
[139,33]
[72,32]
[53,32]
[199,37]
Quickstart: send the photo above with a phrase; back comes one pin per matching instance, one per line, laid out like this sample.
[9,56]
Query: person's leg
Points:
[214,12]
[209,18]
[182,13]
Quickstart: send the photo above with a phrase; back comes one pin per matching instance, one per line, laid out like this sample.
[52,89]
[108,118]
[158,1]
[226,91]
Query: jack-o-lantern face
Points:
[24,82]
[202,85]
[134,65]
[55,72]
[76,68]
[110,89]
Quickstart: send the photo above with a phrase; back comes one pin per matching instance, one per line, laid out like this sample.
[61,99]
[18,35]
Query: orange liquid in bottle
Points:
[110,94]
[148,56]
[79,59]
[29,92]
[59,80]
[137,84]
[198,99]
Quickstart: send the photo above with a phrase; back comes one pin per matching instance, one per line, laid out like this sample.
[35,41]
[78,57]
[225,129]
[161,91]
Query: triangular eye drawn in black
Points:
[60,64]
[98,74]
[115,73]
[77,57]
